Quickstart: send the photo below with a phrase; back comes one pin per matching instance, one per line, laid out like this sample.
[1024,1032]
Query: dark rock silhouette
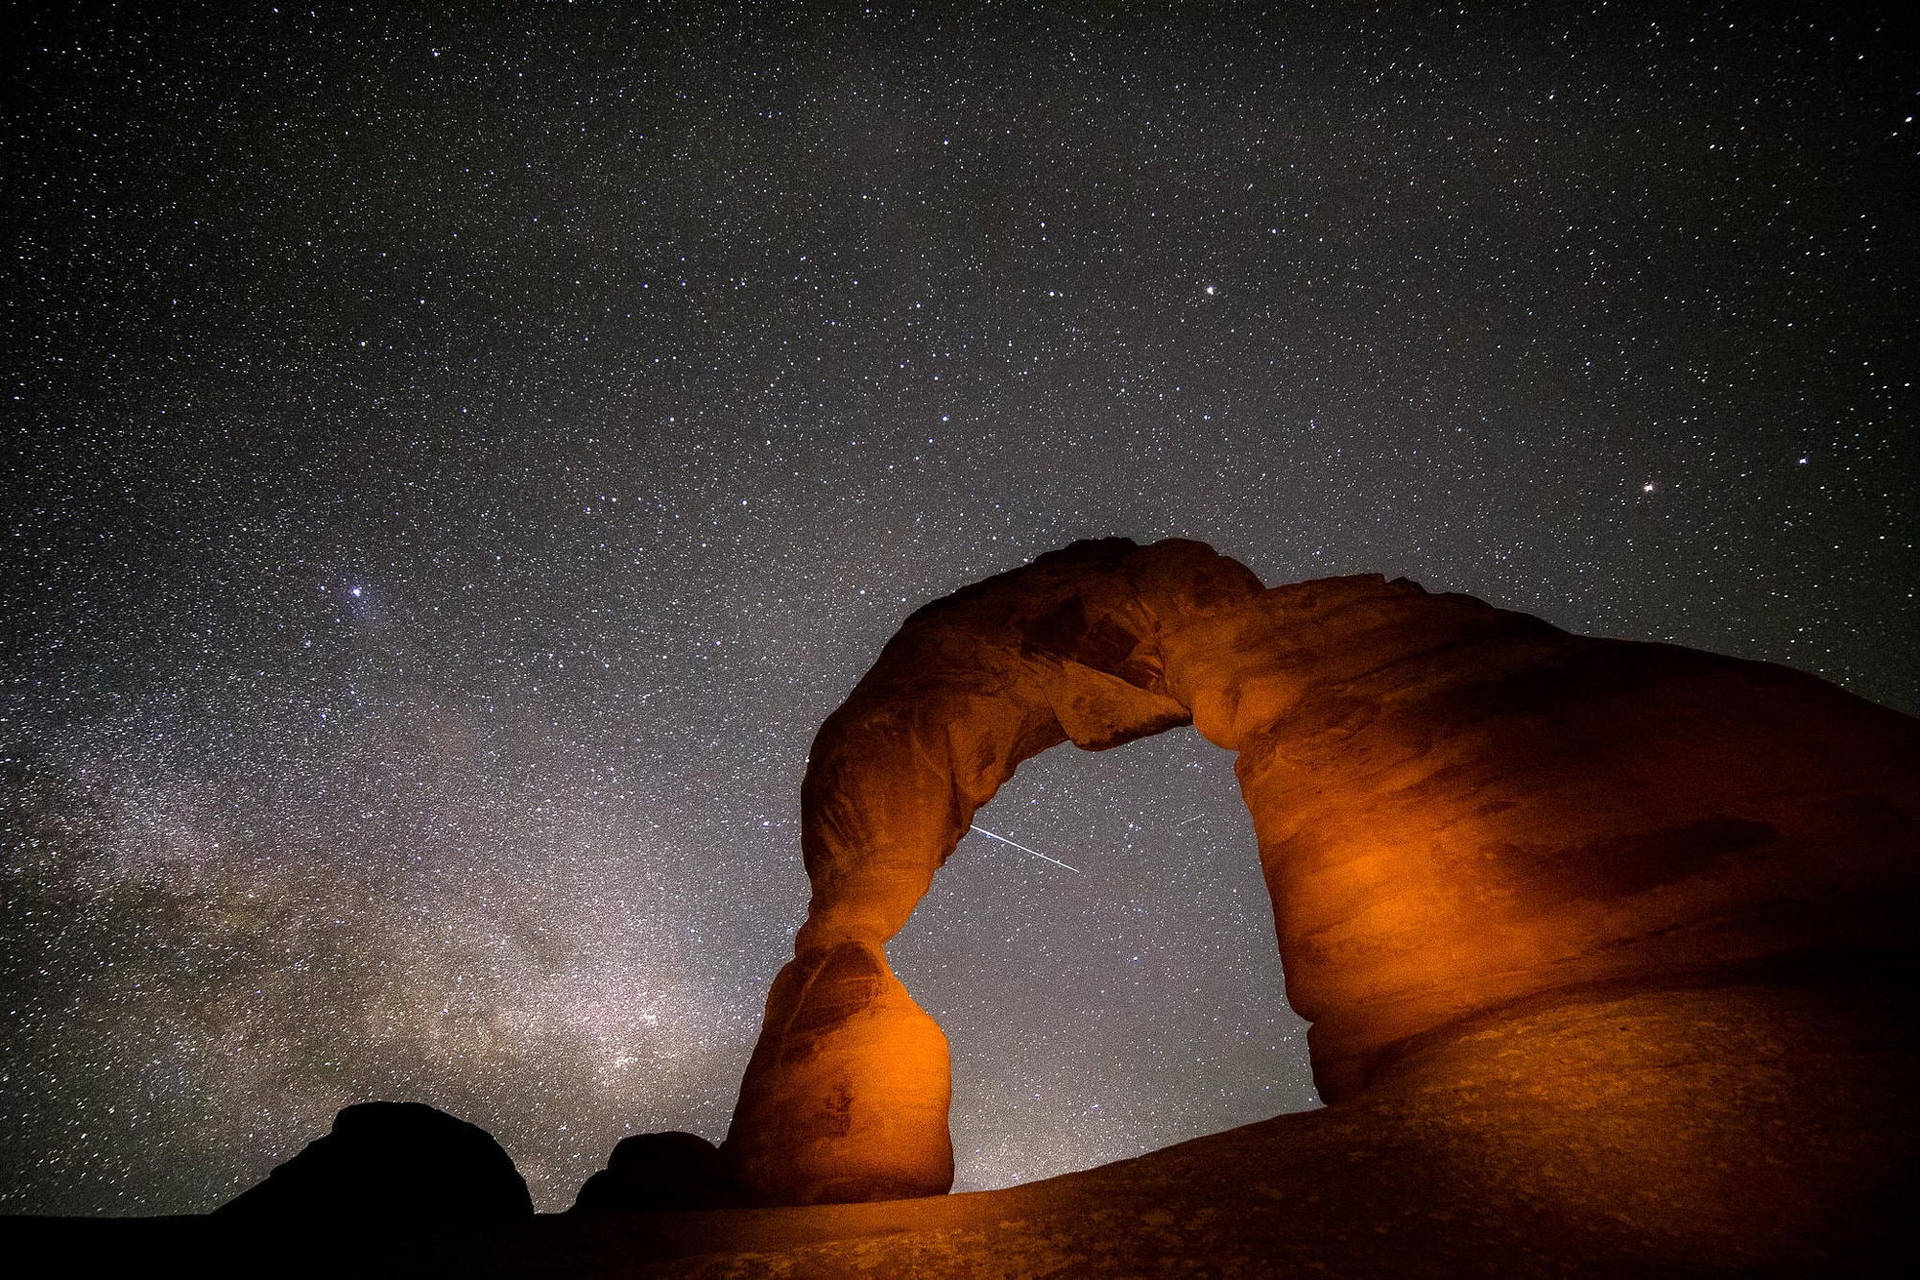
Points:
[658,1171]
[1459,810]
[387,1165]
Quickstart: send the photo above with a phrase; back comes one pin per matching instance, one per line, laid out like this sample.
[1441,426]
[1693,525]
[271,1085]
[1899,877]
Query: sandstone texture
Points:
[387,1165]
[1459,809]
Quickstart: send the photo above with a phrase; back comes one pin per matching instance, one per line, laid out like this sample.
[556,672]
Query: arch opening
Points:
[1097,1016]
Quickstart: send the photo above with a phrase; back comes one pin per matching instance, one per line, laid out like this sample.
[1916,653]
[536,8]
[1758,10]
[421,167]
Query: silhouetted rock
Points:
[658,1171]
[1458,808]
[392,1164]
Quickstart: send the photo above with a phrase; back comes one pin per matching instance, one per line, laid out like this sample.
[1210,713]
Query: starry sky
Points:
[454,463]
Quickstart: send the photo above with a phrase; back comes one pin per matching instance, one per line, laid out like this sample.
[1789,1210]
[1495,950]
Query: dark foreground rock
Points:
[651,1171]
[387,1165]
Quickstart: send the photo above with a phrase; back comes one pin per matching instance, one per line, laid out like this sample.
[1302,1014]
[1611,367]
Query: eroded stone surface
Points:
[1457,807]
[850,1086]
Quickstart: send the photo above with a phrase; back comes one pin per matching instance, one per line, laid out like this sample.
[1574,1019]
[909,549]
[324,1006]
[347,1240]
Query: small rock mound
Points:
[392,1164]
[658,1171]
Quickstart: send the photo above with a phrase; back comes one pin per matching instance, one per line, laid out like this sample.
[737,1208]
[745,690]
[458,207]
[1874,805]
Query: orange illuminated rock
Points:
[1457,808]
[847,1090]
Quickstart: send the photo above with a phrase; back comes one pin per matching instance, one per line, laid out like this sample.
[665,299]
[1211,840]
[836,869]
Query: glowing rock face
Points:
[848,1087]
[1456,807]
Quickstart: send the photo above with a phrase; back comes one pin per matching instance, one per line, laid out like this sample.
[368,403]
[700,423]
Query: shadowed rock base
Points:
[1759,1125]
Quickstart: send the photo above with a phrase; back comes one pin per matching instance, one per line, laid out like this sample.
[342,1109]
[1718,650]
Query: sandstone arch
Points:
[1457,808]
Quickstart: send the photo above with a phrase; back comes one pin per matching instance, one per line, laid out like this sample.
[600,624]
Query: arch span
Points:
[1456,807]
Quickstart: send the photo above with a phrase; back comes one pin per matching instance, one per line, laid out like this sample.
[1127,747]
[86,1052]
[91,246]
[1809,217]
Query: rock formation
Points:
[1460,811]
[651,1171]
[390,1165]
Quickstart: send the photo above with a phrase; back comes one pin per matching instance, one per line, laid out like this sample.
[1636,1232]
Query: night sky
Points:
[454,465]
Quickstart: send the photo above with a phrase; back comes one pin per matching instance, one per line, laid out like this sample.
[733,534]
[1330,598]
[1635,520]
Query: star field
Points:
[454,463]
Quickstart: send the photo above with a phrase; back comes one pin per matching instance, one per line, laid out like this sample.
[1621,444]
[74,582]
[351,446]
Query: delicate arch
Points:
[1456,807]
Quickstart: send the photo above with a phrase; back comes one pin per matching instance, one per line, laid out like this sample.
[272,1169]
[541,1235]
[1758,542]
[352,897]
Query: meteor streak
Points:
[1022,848]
